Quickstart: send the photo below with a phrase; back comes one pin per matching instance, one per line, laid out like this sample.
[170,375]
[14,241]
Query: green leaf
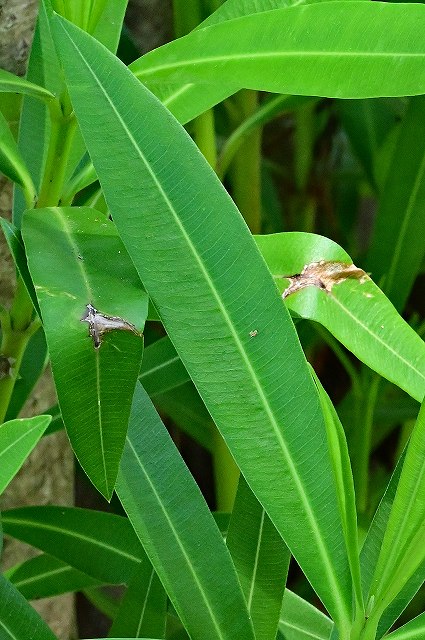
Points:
[17,439]
[88,265]
[32,366]
[16,247]
[143,609]
[367,123]
[187,100]
[102,545]
[12,164]
[261,559]
[162,368]
[282,50]
[413,630]
[345,485]
[109,25]
[11,83]
[34,127]
[213,292]
[301,621]
[18,618]
[355,311]
[401,214]
[45,577]
[370,553]
[403,546]
[206,596]
[185,407]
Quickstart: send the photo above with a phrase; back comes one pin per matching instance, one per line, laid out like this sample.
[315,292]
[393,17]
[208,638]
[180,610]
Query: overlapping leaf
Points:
[102,545]
[207,596]
[281,50]
[88,265]
[218,303]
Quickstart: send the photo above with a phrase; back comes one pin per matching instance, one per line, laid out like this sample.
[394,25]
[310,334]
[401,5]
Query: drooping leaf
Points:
[218,304]
[281,51]
[17,440]
[102,545]
[352,308]
[261,559]
[45,577]
[16,84]
[206,595]
[18,618]
[12,164]
[88,266]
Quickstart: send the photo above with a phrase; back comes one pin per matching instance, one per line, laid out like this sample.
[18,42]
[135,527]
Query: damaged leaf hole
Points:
[101,323]
[323,275]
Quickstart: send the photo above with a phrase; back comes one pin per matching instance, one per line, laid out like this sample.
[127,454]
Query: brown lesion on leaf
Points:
[101,323]
[323,275]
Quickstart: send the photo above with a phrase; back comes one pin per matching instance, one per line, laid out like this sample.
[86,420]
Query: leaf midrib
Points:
[90,298]
[376,337]
[70,534]
[340,605]
[178,541]
[143,73]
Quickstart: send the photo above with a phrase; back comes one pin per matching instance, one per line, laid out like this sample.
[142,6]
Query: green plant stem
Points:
[272,108]
[363,438]
[204,131]
[246,166]
[61,136]
[17,329]
[226,474]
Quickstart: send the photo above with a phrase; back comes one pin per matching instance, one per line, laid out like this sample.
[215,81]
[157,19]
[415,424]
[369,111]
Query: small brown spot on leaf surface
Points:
[323,275]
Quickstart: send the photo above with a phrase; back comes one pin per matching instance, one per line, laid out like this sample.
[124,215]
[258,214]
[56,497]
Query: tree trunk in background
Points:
[47,476]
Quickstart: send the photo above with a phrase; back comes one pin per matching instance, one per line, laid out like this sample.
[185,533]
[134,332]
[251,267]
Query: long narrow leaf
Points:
[12,164]
[102,545]
[206,595]
[413,630]
[218,304]
[281,50]
[17,440]
[45,576]
[403,547]
[261,559]
[18,618]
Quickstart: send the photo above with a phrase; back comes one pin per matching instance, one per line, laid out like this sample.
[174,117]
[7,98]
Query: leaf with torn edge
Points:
[319,282]
[93,309]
